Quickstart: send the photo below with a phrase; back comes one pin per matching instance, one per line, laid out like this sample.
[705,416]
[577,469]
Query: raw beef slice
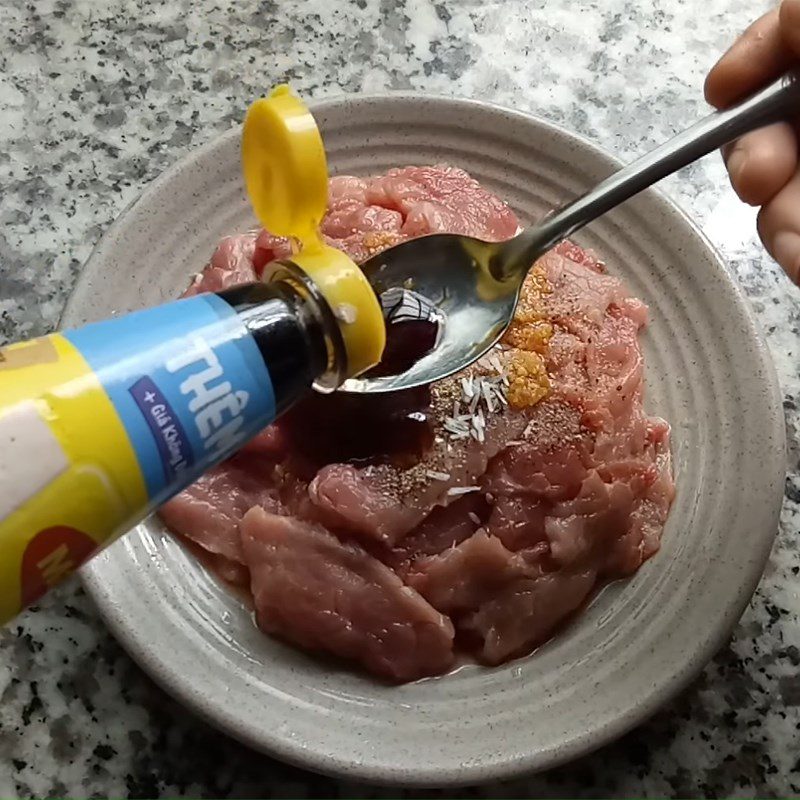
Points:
[505,538]
[327,595]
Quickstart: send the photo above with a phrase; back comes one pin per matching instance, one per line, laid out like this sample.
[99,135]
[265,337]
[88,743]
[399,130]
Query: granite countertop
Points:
[97,97]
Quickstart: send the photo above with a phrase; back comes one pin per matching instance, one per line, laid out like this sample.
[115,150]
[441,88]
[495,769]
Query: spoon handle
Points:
[778,101]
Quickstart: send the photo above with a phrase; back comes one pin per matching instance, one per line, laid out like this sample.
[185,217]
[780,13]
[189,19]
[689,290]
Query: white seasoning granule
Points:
[456,427]
[487,396]
[435,475]
[529,428]
[458,490]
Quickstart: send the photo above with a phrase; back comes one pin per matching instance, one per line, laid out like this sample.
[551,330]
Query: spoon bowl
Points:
[473,308]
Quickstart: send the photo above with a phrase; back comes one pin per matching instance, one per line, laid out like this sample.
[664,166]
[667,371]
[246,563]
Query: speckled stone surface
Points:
[98,97]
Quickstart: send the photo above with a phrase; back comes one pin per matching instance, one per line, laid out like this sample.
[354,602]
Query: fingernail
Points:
[735,164]
[786,250]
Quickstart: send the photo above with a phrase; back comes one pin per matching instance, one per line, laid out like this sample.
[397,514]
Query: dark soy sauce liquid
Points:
[390,428]
[406,343]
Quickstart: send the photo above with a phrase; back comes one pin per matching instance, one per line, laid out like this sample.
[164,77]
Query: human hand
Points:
[763,165]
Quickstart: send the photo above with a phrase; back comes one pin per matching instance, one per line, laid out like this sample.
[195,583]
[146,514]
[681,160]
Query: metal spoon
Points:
[475,284]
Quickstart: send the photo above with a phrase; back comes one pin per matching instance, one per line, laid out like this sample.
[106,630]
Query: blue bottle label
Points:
[188,382]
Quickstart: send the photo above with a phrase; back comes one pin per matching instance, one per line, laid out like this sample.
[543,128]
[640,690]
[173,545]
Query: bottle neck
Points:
[289,332]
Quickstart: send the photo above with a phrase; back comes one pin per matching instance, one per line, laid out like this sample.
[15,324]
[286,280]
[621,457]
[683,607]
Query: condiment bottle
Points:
[100,425]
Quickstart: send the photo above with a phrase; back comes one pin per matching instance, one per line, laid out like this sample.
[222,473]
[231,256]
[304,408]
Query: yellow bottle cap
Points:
[284,165]
[286,175]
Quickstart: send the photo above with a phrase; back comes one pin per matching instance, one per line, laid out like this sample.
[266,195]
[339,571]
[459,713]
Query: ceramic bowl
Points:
[639,642]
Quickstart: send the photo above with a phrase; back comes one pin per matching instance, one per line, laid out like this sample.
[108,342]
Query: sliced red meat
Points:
[580,294]
[355,226]
[444,527]
[530,471]
[577,529]
[526,613]
[615,370]
[548,464]
[561,494]
[271,443]
[230,571]
[346,190]
[209,511]
[517,520]
[576,254]
[366,216]
[374,500]
[442,199]
[231,264]
[326,595]
[465,576]
[650,479]
[505,603]
[270,248]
